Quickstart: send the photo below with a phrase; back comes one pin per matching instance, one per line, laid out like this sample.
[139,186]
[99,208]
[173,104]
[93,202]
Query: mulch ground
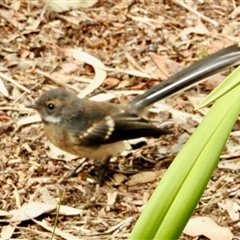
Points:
[138,43]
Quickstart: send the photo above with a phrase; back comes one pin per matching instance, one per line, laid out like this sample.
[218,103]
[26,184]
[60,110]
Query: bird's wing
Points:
[120,127]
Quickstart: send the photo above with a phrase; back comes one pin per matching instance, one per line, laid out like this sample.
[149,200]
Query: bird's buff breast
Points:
[62,140]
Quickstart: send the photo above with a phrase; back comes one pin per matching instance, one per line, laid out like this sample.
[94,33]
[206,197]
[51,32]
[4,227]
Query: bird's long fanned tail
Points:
[188,77]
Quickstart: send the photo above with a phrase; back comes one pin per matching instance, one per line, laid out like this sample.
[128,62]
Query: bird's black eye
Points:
[50,106]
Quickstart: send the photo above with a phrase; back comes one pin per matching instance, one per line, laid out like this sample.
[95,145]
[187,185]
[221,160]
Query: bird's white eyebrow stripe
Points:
[52,119]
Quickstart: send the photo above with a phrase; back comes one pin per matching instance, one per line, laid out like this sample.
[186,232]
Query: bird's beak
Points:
[32,106]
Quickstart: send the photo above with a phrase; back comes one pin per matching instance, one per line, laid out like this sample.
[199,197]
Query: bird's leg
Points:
[80,168]
[104,171]
[102,168]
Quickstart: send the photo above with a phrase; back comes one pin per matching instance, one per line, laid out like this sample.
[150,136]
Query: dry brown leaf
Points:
[3,89]
[229,156]
[123,223]
[45,196]
[56,153]
[56,230]
[219,44]
[119,178]
[235,12]
[7,232]
[233,209]
[123,84]
[58,78]
[9,16]
[233,165]
[137,141]
[189,8]
[164,67]
[29,211]
[139,86]
[130,72]
[33,24]
[111,198]
[100,74]
[69,67]
[213,81]
[9,79]
[199,28]
[134,62]
[25,54]
[195,101]
[114,94]
[28,120]
[144,177]
[229,28]
[111,81]
[179,144]
[145,20]
[101,97]
[15,5]
[69,211]
[178,116]
[206,226]
[232,151]
[4,213]
[17,197]
[66,5]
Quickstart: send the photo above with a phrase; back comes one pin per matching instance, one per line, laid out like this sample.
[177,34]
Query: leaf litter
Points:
[107,51]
